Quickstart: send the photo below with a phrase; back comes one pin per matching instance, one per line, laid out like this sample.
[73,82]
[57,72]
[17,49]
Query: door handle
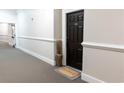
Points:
[79,49]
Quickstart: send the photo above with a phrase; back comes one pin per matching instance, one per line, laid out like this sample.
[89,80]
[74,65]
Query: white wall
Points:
[103,37]
[6,16]
[3,29]
[35,33]
[4,32]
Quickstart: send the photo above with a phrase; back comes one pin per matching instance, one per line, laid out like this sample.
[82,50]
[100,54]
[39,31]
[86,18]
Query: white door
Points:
[11,34]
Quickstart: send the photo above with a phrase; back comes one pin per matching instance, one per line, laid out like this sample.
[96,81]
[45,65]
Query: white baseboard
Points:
[91,79]
[45,59]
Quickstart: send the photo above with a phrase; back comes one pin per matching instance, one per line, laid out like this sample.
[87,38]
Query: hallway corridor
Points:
[19,67]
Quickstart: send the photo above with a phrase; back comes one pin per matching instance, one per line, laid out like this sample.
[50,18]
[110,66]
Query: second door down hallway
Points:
[36,42]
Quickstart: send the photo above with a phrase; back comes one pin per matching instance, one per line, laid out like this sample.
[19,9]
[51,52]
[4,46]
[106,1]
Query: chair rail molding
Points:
[103,46]
[36,38]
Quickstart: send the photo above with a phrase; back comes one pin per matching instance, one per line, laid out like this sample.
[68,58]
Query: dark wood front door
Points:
[74,39]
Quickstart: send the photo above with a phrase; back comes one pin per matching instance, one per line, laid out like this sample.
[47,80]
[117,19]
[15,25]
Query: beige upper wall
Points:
[58,23]
[104,26]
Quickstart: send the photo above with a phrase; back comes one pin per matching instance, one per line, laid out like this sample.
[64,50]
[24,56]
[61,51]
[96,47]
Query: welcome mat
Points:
[68,72]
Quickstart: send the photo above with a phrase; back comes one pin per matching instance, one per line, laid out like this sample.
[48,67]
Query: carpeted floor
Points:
[19,67]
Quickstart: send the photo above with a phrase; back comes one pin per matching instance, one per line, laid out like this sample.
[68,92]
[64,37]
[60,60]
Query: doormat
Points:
[68,72]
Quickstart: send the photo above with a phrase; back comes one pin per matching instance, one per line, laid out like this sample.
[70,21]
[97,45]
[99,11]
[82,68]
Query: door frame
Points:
[10,43]
[15,27]
[64,28]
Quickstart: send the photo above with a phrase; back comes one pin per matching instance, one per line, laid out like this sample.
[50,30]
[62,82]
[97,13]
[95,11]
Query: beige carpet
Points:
[68,72]
[19,67]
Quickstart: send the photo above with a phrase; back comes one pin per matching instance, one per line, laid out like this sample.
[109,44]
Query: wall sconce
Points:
[32,19]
